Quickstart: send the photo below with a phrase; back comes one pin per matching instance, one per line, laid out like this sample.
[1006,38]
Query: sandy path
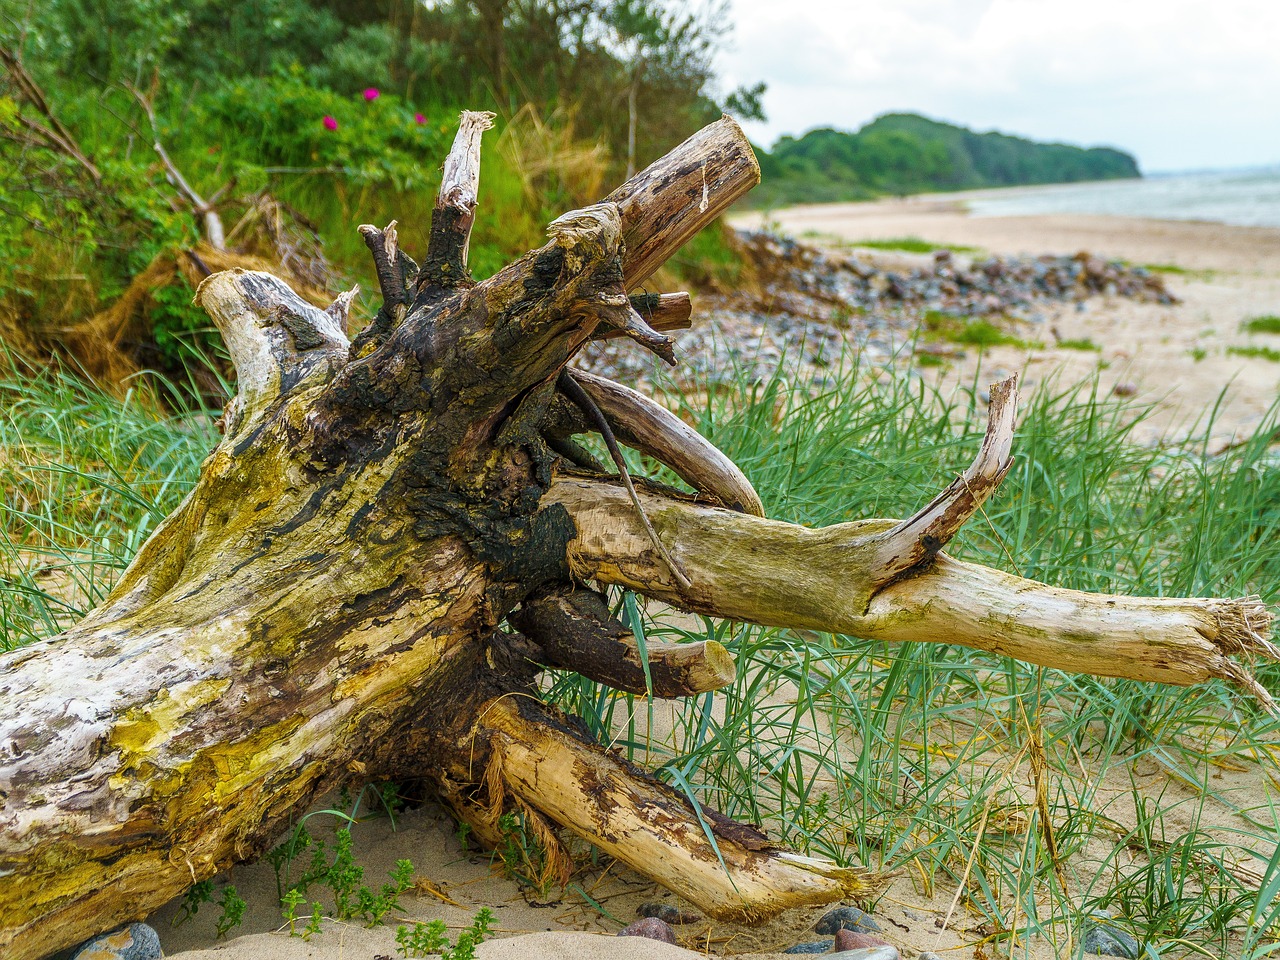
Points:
[1176,358]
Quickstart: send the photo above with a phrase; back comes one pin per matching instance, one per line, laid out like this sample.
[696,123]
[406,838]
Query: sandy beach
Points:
[1178,359]
[1174,357]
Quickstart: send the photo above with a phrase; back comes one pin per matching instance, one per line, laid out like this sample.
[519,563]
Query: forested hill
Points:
[902,153]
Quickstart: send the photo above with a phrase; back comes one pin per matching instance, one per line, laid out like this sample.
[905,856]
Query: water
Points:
[1248,198]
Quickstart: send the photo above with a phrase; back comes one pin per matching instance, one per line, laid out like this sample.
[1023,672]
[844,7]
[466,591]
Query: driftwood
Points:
[386,547]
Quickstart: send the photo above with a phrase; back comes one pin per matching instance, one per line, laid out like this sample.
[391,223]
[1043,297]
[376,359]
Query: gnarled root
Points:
[730,870]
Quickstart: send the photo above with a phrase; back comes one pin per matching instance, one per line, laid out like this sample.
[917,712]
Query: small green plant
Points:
[1198,353]
[317,919]
[930,360]
[523,857]
[232,905]
[463,833]
[196,894]
[1083,343]
[1256,353]
[911,245]
[424,939]
[1268,323]
[974,333]
[289,904]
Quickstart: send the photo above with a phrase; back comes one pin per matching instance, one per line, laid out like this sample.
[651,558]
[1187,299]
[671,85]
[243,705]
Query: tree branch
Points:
[445,266]
[656,432]
[831,579]
[669,201]
[577,633]
[654,829]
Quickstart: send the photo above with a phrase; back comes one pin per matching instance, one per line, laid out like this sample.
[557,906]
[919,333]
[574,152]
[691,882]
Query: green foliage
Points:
[424,939]
[1256,353]
[232,915]
[1083,343]
[900,153]
[910,245]
[975,333]
[1268,323]
[523,858]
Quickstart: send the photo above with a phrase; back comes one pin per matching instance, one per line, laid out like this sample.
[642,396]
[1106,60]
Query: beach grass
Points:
[1024,796]
[910,245]
[1267,323]
[1253,352]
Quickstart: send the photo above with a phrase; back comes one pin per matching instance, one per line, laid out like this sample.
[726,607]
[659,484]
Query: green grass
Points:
[1079,344]
[910,245]
[1268,323]
[981,333]
[907,756]
[1256,353]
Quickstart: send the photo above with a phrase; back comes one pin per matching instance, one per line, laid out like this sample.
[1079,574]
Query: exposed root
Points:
[574,391]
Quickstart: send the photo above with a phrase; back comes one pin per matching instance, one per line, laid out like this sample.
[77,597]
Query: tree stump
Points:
[395,535]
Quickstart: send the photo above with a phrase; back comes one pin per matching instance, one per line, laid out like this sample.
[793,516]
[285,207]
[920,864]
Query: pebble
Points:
[137,941]
[869,953]
[929,955]
[1125,389]
[809,309]
[855,940]
[821,946]
[652,928]
[847,918]
[1109,941]
[666,913]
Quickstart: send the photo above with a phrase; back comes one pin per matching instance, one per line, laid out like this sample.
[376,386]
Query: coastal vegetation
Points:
[901,153]
[1024,789]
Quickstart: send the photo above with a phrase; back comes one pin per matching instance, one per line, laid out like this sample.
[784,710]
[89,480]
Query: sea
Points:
[1249,198]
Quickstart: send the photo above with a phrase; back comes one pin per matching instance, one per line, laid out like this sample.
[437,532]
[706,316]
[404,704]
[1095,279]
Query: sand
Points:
[1234,273]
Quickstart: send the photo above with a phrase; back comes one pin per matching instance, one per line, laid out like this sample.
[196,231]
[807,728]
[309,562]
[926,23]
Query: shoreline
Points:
[1178,361]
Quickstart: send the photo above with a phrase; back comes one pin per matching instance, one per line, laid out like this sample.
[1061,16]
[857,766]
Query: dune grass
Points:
[1026,796]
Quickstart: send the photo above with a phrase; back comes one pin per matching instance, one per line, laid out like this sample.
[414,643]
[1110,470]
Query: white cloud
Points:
[1182,83]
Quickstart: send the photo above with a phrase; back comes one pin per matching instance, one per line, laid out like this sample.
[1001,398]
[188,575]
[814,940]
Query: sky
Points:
[1181,84]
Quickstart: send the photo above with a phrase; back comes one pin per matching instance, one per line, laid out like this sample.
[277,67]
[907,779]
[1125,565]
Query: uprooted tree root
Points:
[394,538]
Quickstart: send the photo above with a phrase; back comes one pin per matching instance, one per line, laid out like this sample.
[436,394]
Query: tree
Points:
[396,534]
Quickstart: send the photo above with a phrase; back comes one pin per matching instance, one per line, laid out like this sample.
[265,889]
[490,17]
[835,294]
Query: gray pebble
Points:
[868,953]
[651,928]
[137,941]
[666,913]
[822,946]
[929,955]
[1109,941]
[847,918]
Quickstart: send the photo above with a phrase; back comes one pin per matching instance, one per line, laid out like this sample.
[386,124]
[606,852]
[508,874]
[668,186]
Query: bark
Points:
[386,547]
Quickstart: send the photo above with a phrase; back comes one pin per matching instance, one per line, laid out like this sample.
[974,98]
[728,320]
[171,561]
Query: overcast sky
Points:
[1182,84]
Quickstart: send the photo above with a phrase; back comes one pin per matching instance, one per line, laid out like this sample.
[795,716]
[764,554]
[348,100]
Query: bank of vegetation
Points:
[902,153]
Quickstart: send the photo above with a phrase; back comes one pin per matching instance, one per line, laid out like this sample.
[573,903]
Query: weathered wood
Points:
[781,574]
[700,179]
[657,831]
[333,593]
[576,632]
[656,432]
[661,311]
[445,265]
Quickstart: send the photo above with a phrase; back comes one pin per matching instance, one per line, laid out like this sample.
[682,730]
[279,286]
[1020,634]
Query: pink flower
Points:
[330,123]
[371,93]
[419,118]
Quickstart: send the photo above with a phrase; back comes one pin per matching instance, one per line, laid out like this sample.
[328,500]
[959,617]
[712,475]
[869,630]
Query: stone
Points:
[651,928]
[666,913]
[820,946]
[847,918]
[857,940]
[1106,940]
[869,953]
[137,941]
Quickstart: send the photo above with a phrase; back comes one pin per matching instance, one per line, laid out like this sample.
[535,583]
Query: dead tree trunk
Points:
[392,539]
